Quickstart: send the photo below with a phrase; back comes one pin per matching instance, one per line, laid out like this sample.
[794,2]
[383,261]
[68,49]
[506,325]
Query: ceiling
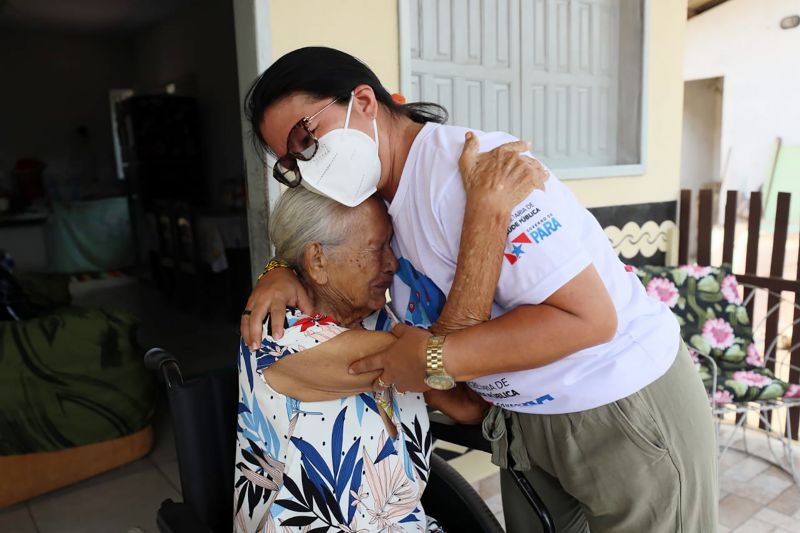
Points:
[696,7]
[86,15]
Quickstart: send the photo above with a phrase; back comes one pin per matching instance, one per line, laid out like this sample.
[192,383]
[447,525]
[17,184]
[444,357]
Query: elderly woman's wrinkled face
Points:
[360,269]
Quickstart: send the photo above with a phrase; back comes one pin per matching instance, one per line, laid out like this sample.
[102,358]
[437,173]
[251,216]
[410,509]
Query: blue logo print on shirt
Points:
[425,301]
[545,230]
[535,235]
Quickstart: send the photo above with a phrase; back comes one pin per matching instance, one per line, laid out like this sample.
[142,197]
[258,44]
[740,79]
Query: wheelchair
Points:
[203,412]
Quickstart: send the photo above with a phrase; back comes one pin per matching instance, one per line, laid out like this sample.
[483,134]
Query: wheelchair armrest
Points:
[447,429]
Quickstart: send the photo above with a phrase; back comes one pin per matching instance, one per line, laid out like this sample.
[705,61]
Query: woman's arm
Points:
[529,336]
[320,373]
[565,323]
[492,188]
[494,183]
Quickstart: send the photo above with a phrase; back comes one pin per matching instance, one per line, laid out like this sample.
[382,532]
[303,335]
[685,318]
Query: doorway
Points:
[701,159]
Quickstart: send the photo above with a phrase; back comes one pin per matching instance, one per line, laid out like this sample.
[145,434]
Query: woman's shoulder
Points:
[439,158]
[449,140]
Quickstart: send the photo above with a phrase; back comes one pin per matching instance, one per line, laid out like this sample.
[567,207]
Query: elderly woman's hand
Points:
[278,289]
[502,177]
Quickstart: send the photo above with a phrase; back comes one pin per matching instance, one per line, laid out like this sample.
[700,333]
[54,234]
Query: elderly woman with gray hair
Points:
[317,446]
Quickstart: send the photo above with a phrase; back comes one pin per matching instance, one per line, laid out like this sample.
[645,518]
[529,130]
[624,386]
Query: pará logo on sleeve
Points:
[535,234]
[547,228]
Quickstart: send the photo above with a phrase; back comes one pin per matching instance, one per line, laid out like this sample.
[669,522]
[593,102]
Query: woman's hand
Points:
[502,177]
[403,362]
[278,289]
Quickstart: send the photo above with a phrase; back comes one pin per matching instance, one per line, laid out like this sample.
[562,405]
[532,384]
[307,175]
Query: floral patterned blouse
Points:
[330,465]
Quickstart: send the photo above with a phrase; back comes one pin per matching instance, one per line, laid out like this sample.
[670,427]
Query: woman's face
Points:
[280,118]
[360,270]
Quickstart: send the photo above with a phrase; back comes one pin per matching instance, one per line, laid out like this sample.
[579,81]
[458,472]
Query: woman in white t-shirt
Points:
[593,394]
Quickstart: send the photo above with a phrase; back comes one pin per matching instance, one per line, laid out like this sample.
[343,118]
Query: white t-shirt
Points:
[551,238]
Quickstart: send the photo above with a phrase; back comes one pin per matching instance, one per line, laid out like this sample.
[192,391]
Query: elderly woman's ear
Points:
[316,263]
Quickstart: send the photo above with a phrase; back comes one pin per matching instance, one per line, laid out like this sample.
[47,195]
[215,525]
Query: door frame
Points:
[253,56]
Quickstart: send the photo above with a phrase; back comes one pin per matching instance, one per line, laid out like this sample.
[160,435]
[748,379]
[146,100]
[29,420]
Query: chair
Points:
[204,416]
[775,317]
[177,264]
[163,260]
[186,252]
[189,268]
[775,358]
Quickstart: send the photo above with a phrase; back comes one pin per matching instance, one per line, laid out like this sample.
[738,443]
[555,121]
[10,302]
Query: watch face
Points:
[440,382]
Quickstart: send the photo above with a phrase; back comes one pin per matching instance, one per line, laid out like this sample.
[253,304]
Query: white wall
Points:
[51,84]
[741,40]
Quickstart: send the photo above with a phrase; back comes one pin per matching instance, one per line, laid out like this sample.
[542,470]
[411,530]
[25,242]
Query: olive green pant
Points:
[644,464]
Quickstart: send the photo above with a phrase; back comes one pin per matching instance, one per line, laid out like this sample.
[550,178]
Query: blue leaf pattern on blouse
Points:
[325,464]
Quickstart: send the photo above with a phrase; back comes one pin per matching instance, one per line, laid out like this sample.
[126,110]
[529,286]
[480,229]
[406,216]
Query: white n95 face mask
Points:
[346,167]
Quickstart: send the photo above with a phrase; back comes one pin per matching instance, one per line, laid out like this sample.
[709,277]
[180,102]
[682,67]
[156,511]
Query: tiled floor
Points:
[124,500]
[755,496]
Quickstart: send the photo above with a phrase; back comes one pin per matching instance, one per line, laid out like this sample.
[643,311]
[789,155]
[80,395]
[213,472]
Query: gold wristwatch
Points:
[273,264]
[436,376]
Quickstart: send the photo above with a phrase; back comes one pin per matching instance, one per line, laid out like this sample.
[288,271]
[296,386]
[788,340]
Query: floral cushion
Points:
[708,307]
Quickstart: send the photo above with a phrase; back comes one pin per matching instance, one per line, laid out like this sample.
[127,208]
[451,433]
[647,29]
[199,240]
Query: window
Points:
[566,75]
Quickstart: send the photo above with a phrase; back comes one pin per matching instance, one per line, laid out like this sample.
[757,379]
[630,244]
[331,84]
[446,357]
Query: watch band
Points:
[434,353]
[272,265]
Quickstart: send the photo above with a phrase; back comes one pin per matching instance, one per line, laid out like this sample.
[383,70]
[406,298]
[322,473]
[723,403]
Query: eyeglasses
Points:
[301,145]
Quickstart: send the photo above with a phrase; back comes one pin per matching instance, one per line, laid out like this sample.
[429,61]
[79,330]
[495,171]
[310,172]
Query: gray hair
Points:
[302,217]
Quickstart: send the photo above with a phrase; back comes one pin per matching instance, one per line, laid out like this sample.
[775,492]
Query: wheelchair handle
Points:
[160,360]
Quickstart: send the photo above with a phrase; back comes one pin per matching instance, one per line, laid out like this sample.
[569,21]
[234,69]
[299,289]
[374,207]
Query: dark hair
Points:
[324,73]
